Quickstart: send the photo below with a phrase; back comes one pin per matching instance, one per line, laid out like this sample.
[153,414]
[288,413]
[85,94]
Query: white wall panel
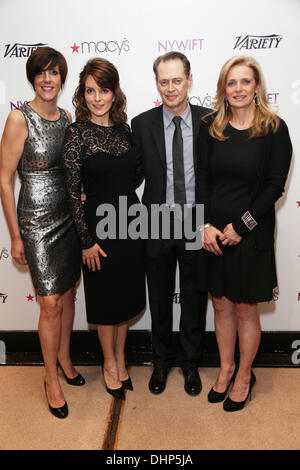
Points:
[131,34]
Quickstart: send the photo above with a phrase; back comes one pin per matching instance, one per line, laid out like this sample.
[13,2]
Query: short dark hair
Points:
[173,55]
[45,57]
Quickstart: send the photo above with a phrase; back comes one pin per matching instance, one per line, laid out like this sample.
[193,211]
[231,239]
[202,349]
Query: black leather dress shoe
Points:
[158,380]
[192,381]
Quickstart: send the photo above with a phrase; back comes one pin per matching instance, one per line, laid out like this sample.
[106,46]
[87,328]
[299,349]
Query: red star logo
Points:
[75,48]
[157,103]
[30,297]
[298,202]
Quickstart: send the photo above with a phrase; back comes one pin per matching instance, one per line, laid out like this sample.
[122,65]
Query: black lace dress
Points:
[103,160]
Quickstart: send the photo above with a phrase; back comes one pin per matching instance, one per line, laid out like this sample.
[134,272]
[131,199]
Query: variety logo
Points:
[157,103]
[298,202]
[17,105]
[3,297]
[180,45]
[4,254]
[257,42]
[21,50]
[100,47]
[29,298]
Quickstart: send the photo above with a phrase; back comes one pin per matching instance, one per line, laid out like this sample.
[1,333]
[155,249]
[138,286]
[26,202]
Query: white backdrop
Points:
[131,34]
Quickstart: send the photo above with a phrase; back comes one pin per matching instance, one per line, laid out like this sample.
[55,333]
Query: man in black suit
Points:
[159,151]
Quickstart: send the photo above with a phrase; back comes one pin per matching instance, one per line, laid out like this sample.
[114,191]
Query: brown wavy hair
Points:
[105,75]
[264,120]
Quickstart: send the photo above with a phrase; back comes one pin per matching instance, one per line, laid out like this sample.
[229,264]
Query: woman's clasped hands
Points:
[227,237]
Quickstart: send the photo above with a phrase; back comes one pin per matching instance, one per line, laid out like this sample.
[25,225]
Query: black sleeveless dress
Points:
[103,160]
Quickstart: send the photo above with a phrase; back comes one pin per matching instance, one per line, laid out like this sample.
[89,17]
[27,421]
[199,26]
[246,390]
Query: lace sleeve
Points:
[73,150]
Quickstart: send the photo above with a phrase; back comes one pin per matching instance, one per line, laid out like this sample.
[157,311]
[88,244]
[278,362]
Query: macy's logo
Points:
[93,47]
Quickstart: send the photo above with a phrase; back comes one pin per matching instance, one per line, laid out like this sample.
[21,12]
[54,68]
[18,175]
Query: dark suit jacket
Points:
[149,142]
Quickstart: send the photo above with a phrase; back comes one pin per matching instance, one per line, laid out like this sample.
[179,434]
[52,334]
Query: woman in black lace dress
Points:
[98,155]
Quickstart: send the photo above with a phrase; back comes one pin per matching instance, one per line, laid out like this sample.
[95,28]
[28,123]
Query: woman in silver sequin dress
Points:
[43,234]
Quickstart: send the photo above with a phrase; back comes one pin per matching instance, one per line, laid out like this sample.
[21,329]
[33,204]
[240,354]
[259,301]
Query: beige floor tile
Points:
[174,420]
[27,424]
[170,421]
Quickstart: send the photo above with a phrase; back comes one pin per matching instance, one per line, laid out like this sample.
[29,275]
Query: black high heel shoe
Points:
[115,392]
[217,397]
[231,405]
[61,412]
[127,384]
[78,380]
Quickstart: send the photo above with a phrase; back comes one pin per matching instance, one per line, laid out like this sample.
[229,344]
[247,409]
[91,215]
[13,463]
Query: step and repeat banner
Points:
[131,34]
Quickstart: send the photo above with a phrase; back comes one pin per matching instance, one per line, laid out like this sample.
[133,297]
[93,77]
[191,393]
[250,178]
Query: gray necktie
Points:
[178,165]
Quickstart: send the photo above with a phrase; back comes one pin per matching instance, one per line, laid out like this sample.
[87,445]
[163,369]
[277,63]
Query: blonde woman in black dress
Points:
[43,236]
[245,158]
[98,155]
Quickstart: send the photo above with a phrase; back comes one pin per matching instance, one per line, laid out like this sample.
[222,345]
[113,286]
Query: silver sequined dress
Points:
[50,239]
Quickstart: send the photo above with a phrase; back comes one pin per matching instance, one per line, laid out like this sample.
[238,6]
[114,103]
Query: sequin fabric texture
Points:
[50,240]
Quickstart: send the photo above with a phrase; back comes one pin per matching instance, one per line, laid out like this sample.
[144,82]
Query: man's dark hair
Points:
[173,55]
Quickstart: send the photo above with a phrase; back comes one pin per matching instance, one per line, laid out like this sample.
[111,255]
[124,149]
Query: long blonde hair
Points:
[264,119]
